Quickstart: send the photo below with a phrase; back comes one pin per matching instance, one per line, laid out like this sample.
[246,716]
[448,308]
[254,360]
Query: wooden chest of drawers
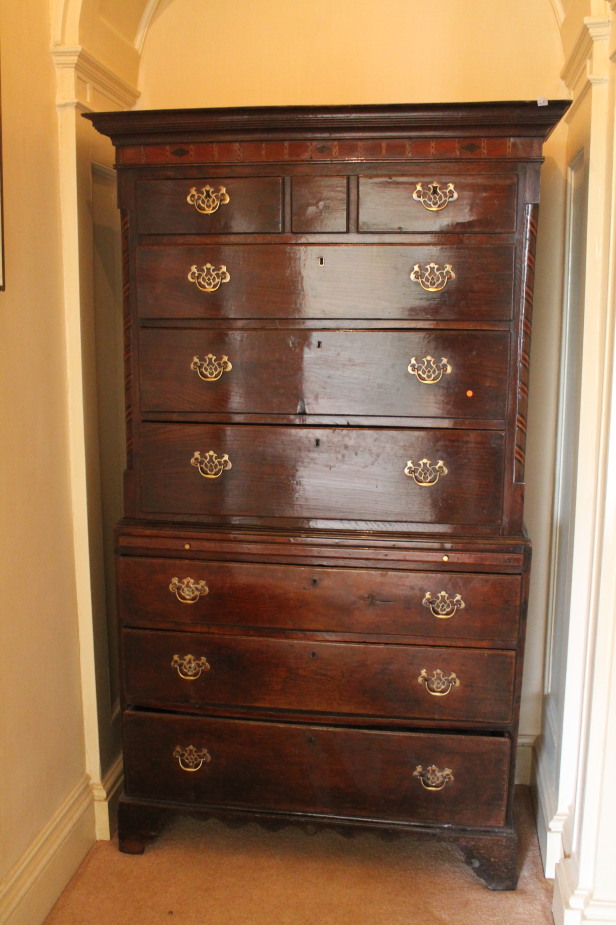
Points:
[322,568]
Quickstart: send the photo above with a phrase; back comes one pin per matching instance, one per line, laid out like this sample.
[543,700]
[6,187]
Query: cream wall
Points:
[43,787]
[274,52]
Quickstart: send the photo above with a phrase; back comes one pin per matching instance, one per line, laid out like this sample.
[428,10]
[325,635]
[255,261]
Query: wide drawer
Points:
[217,205]
[379,475]
[480,608]
[438,203]
[362,679]
[449,374]
[348,773]
[325,281]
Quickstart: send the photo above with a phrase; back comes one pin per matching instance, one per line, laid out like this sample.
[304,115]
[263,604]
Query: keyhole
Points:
[321,261]
[313,655]
[317,442]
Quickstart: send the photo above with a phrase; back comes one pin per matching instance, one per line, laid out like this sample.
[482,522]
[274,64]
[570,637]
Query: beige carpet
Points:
[204,873]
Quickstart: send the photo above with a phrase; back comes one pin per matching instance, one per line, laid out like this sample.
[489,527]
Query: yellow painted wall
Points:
[41,725]
[275,52]
[260,52]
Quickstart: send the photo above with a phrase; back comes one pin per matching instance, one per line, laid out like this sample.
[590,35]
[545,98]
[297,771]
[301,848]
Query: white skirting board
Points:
[31,888]
[524,759]
[106,795]
[574,906]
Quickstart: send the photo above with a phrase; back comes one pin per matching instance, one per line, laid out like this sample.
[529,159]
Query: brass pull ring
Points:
[425,474]
[188,667]
[208,279]
[210,466]
[434,199]
[191,758]
[438,685]
[432,278]
[433,778]
[207,201]
[209,368]
[443,606]
[188,591]
[428,371]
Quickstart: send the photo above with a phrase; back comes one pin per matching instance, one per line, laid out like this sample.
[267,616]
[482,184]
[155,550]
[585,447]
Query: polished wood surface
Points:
[336,602]
[319,204]
[326,308]
[317,769]
[325,281]
[255,205]
[322,473]
[321,677]
[483,204]
[323,372]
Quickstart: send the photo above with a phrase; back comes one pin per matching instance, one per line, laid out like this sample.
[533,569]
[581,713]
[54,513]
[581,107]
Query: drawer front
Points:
[446,374]
[348,773]
[443,605]
[330,473]
[325,281]
[319,204]
[209,205]
[439,203]
[436,684]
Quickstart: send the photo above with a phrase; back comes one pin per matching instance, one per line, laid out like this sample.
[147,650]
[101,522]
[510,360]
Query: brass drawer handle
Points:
[433,778]
[443,606]
[191,758]
[188,667]
[428,371]
[211,466]
[438,685]
[209,368]
[425,474]
[208,279]
[207,201]
[432,278]
[434,199]
[188,591]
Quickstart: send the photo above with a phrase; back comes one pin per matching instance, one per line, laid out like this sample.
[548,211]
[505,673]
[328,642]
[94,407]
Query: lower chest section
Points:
[322,677]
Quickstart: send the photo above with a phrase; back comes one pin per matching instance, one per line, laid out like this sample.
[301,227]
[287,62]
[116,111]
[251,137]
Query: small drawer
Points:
[317,770]
[448,374]
[219,205]
[439,203]
[418,282]
[473,609]
[319,204]
[400,682]
[431,476]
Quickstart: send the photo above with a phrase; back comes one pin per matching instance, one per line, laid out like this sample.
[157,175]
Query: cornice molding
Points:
[81,77]
[588,61]
[147,17]
[558,10]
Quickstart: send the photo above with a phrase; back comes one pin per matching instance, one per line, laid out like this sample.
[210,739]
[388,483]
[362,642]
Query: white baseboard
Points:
[31,888]
[551,824]
[524,759]
[106,796]
[574,906]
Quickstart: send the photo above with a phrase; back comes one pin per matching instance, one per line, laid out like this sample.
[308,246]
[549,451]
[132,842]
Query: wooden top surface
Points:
[526,118]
